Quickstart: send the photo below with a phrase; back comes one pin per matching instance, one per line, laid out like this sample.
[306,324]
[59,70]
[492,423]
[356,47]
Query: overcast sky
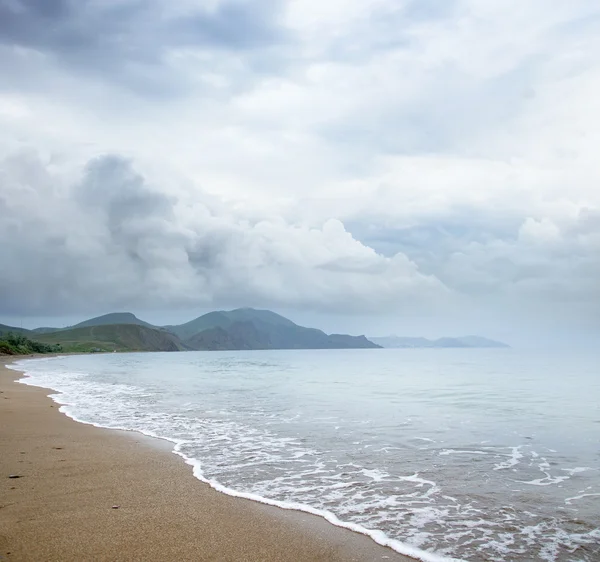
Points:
[424,167]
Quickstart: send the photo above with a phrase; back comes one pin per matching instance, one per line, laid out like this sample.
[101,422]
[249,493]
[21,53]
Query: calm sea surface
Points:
[472,454]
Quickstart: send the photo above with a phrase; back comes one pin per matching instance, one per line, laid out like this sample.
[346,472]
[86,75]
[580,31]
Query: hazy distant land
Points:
[464,341]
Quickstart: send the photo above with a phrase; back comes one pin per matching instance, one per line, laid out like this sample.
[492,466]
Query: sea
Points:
[442,454]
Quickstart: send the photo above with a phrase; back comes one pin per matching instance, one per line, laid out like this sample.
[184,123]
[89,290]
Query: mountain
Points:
[4,329]
[256,315]
[111,320]
[242,328]
[45,330]
[248,328]
[478,341]
[343,341]
[465,341]
[225,319]
[239,335]
[117,337]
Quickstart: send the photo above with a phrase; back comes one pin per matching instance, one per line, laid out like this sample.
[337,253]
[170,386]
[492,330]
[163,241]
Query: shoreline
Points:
[72,474]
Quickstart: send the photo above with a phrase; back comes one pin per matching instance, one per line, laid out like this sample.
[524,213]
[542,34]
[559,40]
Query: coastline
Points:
[72,474]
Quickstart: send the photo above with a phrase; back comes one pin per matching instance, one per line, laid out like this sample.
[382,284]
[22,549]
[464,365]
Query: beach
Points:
[85,493]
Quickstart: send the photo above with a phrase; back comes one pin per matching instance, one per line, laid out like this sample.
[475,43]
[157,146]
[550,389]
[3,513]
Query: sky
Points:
[419,167]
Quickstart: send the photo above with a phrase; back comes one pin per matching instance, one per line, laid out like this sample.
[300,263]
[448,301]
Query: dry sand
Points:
[71,474]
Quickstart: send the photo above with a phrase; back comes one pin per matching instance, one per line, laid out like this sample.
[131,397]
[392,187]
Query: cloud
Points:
[527,267]
[301,152]
[136,30]
[111,240]
[131,43]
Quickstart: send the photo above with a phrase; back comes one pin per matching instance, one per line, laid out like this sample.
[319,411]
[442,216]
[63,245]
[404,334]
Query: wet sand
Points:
[71,475]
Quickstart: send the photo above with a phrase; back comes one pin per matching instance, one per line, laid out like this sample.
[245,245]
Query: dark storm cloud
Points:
[110,184]
[111,241]
[127,41]
[78,247]
[133,28]
[112,190]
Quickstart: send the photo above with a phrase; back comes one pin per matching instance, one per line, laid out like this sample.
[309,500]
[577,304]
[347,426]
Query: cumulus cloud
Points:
[112,239]
[545,267]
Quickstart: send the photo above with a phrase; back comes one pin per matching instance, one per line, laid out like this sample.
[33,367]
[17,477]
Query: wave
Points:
[376,535]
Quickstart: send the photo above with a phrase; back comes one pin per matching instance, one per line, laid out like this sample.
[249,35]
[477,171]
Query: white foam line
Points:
[569,500]
[572,471]
[545,481]
[513,460]
[378,536]
[461,452]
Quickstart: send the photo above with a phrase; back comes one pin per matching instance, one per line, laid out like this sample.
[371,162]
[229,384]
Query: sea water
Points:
[461,453]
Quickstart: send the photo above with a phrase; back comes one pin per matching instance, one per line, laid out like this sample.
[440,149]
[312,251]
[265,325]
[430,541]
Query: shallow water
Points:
[474,454]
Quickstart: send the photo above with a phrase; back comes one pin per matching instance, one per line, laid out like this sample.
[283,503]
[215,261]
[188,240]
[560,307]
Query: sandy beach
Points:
[70,475]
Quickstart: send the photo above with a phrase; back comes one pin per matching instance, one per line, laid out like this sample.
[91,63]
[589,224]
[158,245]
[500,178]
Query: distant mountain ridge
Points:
[464,341]
[112,319]
[249,328]
[239,329]
[4,329]
[225,319]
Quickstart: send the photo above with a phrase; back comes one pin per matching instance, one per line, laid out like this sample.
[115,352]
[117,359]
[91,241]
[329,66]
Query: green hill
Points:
[118,337]
[4,330]
[239,335]
[257,315]
[113,319]
[45,330]
[217,319]
[225,319]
